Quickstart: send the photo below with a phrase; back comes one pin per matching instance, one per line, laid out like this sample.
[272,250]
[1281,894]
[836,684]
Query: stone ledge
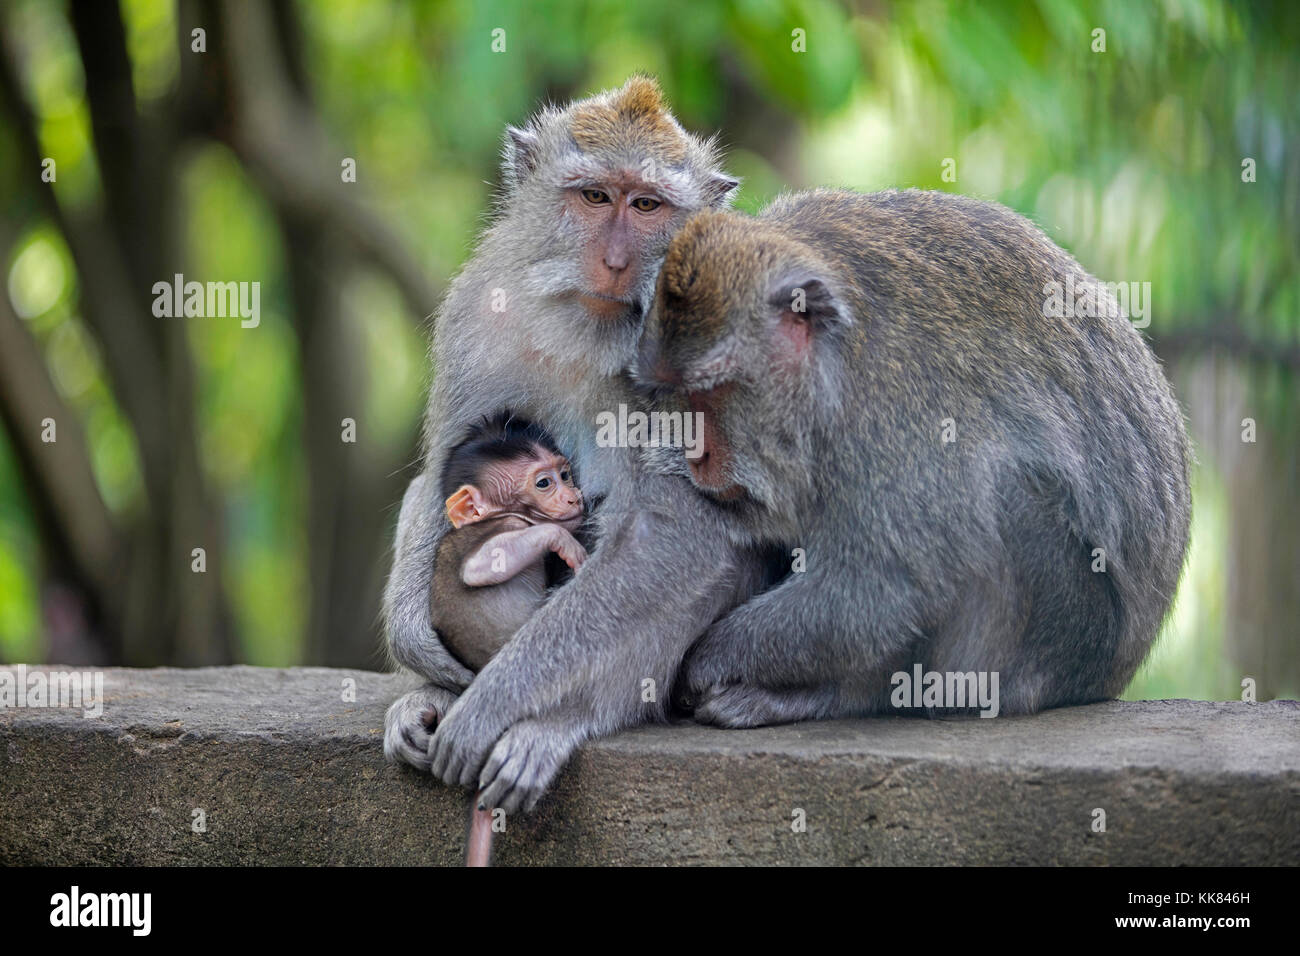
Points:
[287,772]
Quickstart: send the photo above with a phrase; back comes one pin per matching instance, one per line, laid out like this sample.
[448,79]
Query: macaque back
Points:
[476,622]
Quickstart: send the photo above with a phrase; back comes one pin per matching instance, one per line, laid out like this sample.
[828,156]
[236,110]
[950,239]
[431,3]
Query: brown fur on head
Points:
[725,284]
[634,119]
[709,269]
[629,129]
[745,328]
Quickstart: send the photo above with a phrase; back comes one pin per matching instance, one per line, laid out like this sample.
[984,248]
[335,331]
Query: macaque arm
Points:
[411,638]
[607,644]
[501,557]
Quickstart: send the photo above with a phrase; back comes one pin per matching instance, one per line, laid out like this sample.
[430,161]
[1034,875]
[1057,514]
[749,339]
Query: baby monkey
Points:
[512,502]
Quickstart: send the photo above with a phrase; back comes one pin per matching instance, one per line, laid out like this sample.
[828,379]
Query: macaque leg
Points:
[502,557]
[747,671]
[746,705]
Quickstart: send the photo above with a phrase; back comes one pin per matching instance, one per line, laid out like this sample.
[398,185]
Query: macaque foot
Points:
[744,705]
[718,661]
[410,723]
[523,764]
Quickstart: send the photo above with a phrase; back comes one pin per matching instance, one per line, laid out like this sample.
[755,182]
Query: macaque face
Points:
[752,444]
[624,223]
[711,469]
[546,488]
[733,335]
[750,394]
[539,486]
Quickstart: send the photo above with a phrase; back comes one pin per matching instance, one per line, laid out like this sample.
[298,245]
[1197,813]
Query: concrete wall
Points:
[287,771]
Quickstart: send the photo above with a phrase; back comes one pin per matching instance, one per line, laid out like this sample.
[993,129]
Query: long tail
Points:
[478,851]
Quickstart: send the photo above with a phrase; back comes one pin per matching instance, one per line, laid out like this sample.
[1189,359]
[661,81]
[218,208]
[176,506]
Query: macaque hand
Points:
[567,547]
[464,737]
[410,721]
[716,661]
[524,763]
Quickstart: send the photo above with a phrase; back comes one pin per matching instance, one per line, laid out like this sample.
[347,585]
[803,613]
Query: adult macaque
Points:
[977,486]
[512,502]
[544,319]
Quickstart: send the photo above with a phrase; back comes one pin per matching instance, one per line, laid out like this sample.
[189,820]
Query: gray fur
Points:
[663,563]
[973,555]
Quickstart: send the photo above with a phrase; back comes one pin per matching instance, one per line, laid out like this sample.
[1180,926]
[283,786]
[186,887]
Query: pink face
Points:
[541,484]
[709,469]
[622,218]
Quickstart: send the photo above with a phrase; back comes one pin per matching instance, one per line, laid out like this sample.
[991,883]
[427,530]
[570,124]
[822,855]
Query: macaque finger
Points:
[574,557]
[500,792]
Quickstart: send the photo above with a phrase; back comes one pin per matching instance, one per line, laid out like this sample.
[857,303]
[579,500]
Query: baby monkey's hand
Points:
[567,547]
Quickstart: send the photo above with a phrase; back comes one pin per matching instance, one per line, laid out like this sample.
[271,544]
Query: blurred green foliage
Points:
[1131,158]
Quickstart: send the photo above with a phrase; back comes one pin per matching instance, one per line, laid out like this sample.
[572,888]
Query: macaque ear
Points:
[719,364]
[719,189]
[520,153]
[806,309]
[465,506]
[809,299]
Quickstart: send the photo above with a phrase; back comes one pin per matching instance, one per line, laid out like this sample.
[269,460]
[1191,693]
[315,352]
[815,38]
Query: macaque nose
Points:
[617,254]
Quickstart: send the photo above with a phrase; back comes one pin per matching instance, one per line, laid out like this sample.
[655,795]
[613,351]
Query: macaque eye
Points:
[564,477]
[596,197]
[543,483]
[646,204]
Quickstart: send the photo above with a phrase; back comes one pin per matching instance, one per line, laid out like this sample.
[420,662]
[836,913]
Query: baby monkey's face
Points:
[538,485]
[544,485]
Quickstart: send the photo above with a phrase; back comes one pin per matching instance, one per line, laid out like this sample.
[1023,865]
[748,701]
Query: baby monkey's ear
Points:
[465,506]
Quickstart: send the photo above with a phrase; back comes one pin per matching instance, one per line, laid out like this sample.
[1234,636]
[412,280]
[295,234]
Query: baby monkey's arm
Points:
[501,557]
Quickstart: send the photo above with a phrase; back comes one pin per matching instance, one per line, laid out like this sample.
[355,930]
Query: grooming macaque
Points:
[973,486]
[512,502]
[544,319]
[977,487]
